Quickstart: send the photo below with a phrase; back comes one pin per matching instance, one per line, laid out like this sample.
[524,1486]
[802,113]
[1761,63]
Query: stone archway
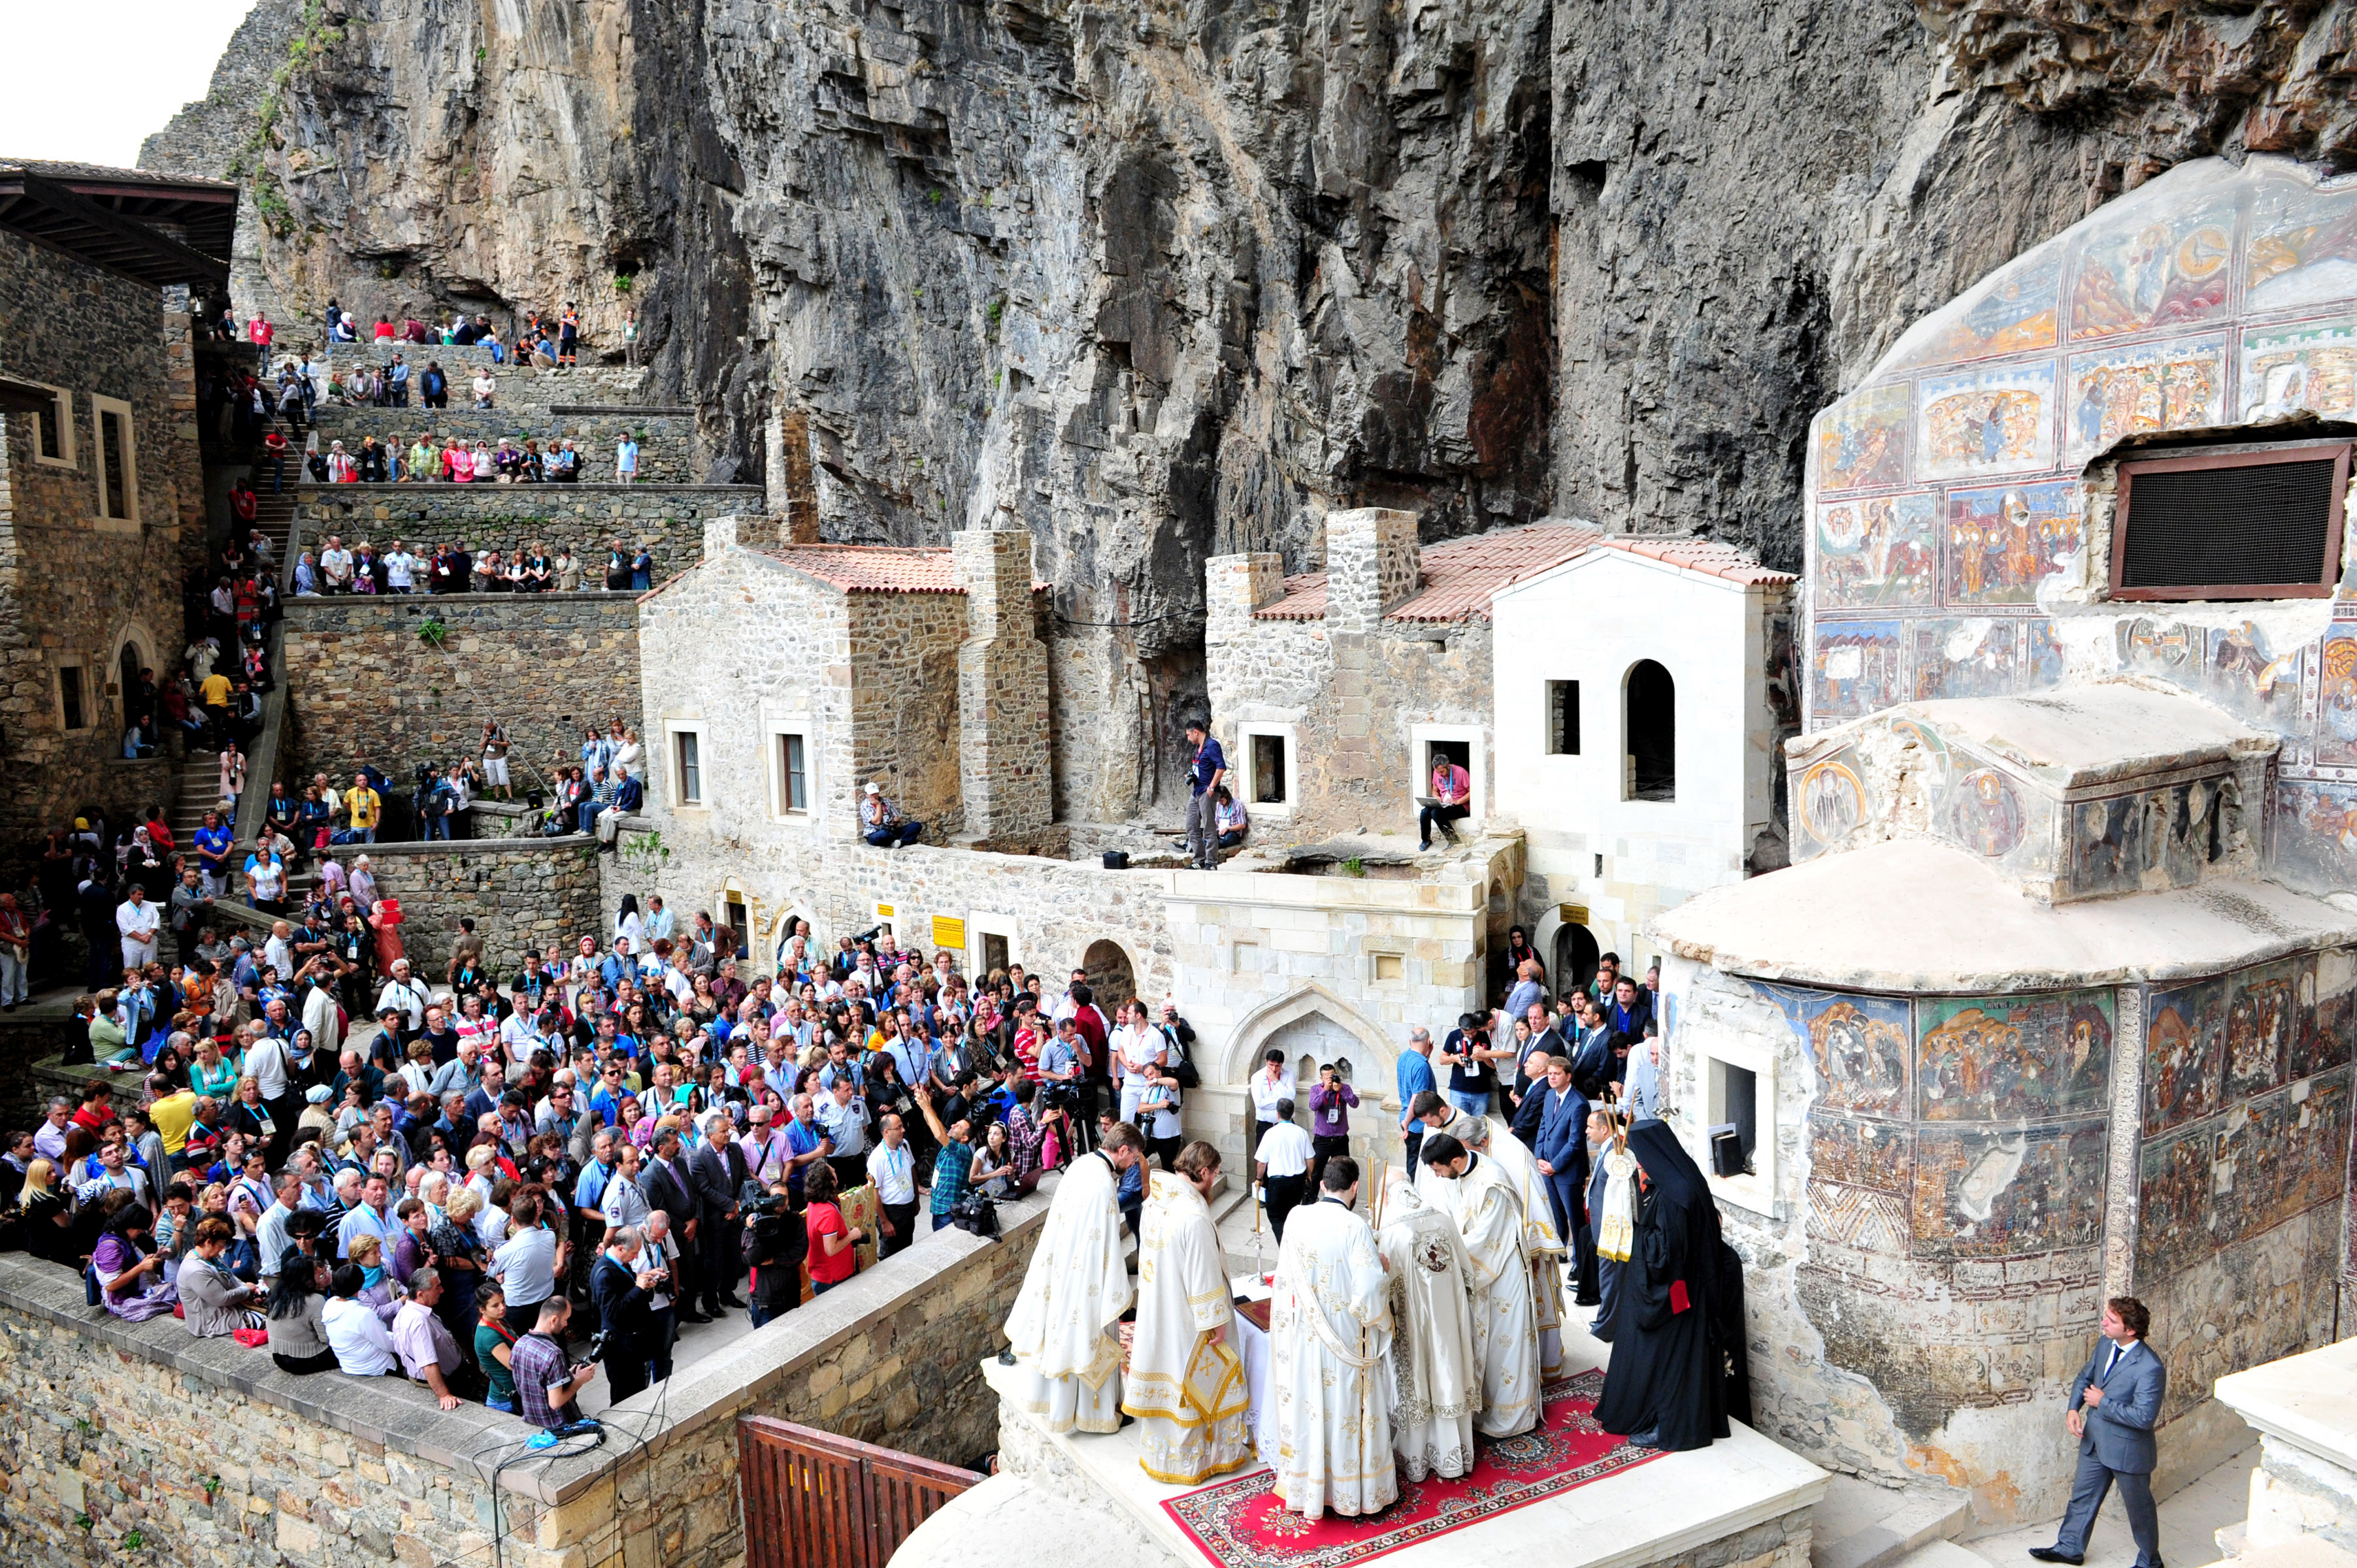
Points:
[1314,1023]
[1112,976]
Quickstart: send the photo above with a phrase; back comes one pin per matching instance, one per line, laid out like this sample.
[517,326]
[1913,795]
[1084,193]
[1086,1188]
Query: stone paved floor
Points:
[2189,1522]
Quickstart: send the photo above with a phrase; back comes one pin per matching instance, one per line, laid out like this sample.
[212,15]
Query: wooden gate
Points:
[816,1500]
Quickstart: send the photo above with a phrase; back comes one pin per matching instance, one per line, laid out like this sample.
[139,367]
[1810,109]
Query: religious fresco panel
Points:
[2045,653]
[2163,269]
[1832,801]
[1882,549]
[1859,1045]
[2336,708]
[2008,1192]
[2174,1212]
[1859,1152]
[2268,1010]
[2012,313]
[2118,392]
[2308,367]
[2117,843]
[2302,249]
[1858,667]
[2326,1045]
[1978,657]
[2312,835]
[1863,445]
[2236,1174]
[2014,1058]
[2003,543]
[2185,1045]
[2252,678]
[1998,420]
[1986,814]
[2154,645]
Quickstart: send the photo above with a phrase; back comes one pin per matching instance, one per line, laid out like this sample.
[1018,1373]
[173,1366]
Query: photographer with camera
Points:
[775,1242]
[627,1333]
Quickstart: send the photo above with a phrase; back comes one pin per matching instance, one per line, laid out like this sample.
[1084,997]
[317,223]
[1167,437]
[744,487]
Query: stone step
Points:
[1939,1553]
[1861,1525]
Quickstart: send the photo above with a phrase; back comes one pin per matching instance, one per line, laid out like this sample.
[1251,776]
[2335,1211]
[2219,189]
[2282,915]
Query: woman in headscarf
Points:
[145,865]
[131,1272]
[1675,1328]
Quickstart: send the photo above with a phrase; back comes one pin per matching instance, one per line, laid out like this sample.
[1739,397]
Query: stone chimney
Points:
[1371,565]
[720,535]
[1003,762]
[1235,585]
[792,488]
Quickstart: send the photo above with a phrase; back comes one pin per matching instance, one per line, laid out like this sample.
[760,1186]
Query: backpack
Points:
[1180,1067]
[975,1215]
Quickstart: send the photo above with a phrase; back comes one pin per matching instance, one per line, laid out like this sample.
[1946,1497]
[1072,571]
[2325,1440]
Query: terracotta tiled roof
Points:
[1460,575]
[875,568]
[1705,555]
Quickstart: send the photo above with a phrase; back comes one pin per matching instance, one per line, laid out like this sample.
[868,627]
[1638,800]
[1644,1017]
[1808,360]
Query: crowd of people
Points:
[460,568]
[548,340]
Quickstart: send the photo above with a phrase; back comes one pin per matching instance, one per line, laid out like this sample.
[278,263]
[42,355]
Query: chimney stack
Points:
[1371,565]
[1003,771]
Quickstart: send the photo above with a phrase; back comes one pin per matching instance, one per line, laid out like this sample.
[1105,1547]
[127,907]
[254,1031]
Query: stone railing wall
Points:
[368,687]
[582,518]
[521,892]
[518,386]
[667,443]
[219,1460]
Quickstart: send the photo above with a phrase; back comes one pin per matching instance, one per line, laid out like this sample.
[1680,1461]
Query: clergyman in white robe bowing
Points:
[1062,1329]
[1543,1246]
[1185,1383]
[1330,1339]
[1436,1371]
[1474,1190]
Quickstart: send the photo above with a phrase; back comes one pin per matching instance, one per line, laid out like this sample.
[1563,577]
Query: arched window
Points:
[1651,722]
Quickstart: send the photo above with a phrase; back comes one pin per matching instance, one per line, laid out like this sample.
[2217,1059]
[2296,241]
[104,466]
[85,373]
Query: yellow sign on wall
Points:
[949,931]
[883,912]
[1573,914]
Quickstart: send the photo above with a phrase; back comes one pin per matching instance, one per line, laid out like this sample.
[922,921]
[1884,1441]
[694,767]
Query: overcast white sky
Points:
[89,79]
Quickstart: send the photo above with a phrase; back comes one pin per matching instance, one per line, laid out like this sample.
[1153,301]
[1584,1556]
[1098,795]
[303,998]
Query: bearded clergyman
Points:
[1330,1331]
[1185,1383]
[1541,1241]
[1063,1328]
[1436,1371]
[1475,1193]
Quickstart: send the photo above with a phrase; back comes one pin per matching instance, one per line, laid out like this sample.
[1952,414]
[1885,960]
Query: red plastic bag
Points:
[252,1339]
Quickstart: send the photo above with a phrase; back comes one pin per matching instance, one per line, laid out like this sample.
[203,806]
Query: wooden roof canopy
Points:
[152,228]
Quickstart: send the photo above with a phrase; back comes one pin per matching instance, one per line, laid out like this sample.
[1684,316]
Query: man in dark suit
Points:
[671,1190]
[717,1179]
[623,1285]
[1561,1151]
[2113,1405]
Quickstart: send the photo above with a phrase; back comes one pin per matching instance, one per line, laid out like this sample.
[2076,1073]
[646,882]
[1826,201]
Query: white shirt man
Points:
[135,920]
[400,570]
[407,995]
[1285,1149]
[890,1167]
[1135,1048]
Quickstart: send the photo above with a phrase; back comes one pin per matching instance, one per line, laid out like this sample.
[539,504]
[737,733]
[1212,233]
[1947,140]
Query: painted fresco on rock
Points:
[2302,249]
[2174,1208]
[2253,680]
[1832,799]
[2108,844]
[1980,656]
[2167,269]
[2303,369]
[1883,550]
[1988,422]
[2046,662]
[2327,1044]
[1858,1044]
[2002,544]
[2014,1058]
[2314,833]
[2171,649]
[2185,1048]
[2011,313]
[2119,843]
[2008,1192]
[2152,387]
[1985,813]
[2268,1011]
[2336,707]
[2235,1176]
[1861,1152]
[1858,668]
[1862,445]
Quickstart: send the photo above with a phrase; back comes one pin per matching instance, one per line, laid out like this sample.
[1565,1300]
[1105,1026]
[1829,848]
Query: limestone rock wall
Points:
[546,665]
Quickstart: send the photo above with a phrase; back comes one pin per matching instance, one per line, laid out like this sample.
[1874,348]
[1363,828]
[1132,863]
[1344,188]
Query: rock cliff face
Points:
[1170,279]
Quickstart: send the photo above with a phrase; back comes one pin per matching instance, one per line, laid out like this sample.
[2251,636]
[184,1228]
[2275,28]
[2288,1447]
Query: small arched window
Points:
[1651,724]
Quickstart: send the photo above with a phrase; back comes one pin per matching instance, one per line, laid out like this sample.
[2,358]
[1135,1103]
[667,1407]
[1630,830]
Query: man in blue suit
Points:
[1561,1151]
[2113,1405]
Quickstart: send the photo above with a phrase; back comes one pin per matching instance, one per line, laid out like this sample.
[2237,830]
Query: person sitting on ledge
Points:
[881,824]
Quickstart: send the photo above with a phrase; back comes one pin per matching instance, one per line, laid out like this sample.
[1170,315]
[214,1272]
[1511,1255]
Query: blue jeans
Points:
[894,834]
[820,1287]
[437,827]
[941,1221]
[495,1402]
[1471,1103]
[588,811]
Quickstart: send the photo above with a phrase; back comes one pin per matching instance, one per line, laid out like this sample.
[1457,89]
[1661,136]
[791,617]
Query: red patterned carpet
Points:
[1239,1524]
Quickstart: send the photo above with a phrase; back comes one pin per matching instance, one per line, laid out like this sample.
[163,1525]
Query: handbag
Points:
[976,1215]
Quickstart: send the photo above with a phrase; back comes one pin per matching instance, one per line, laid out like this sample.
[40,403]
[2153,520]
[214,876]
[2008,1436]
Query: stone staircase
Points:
[199,792]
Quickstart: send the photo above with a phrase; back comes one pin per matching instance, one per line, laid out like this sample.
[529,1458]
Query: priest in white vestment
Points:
[1478,1193]
[1330,1336]
[1062,1328]
[1185,1383]
[1540,1241]
[1436,1371]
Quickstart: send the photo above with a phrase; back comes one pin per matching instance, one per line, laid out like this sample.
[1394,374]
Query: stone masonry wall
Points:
[219,1460]
[520,387]
[667,449]
[904,701]
[584,518]
[365,686]
[521,892]
[1003,736]
[76,588]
